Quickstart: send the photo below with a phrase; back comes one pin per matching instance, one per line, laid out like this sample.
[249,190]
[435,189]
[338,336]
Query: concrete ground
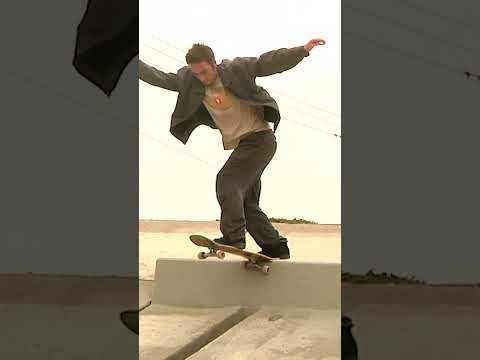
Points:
[65,317]
[236,333]
[279,333]
[216,328]
[60,331]
[77,317]
[414,321]
[51,317]
[176,333]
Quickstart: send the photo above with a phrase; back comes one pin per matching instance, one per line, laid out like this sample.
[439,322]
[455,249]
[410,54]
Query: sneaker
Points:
[239,243]
[282,252]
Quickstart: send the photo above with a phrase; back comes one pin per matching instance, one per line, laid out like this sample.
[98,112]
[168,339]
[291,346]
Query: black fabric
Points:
[130,318]
[107,40]
[349,344]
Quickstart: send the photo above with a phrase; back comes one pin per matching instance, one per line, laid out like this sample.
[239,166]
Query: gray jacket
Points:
[237,75]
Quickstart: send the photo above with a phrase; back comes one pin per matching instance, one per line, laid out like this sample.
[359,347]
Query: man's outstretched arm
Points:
[277,61]
[156,77]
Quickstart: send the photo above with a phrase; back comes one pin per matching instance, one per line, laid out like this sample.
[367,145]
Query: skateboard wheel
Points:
[202,255]
[265,269]
[221,254]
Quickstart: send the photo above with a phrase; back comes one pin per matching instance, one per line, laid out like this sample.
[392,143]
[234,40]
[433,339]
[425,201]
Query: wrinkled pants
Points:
[238,187]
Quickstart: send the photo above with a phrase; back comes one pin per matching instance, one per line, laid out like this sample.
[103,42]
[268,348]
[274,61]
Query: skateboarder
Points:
[225,97]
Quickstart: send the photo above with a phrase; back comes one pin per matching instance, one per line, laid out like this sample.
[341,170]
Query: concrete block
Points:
[216,283]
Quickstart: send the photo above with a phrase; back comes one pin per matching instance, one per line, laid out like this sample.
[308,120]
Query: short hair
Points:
[199,53]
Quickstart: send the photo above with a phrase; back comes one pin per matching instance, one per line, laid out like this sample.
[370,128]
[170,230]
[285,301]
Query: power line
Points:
[296,122]
[406,53]
[410,28]
[313,128]
[412,5]
[83,106]
[315,116]
[163,53]
[176,149]
[429,61]
[159,67]
[446,68]
[311,105]
[168,43]
[293,121]
[273,90]
[406,3]
[72,100]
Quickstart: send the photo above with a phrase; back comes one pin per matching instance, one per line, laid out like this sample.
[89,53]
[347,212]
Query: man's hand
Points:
[312,43]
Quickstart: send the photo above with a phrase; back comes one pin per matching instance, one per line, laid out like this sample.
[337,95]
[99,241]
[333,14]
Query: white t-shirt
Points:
[234,118]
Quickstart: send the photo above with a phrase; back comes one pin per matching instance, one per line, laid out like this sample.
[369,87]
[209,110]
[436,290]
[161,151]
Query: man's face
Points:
[205,72]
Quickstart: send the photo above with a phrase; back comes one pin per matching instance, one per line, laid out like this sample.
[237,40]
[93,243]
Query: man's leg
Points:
[241,171]
[232,220]
[258,224]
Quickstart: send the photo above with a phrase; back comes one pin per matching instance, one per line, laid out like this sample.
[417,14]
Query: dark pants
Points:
[238,191]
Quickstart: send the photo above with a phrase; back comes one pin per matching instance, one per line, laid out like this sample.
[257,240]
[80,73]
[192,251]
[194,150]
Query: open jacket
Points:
[237,75]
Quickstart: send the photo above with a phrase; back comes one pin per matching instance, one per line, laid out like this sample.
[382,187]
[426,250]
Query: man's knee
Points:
[230,194]
[252,209]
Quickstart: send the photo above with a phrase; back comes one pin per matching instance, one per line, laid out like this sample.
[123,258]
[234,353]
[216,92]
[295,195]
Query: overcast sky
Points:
[304,178]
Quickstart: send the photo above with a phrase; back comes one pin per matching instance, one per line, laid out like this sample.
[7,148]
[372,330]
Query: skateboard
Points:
[254,261]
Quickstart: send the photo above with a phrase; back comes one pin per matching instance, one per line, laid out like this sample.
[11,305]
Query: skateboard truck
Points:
[218,253]
[250,265]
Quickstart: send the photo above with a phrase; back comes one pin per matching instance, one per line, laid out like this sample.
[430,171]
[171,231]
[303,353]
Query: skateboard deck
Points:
[254,261]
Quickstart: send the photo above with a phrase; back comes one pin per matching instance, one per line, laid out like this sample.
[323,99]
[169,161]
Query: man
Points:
[226,97]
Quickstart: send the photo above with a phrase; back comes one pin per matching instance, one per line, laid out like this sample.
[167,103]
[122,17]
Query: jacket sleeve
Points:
[156,77]
[275,61]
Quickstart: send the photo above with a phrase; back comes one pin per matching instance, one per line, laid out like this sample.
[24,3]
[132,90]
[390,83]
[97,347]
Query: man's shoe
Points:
[281,252]
[239,243]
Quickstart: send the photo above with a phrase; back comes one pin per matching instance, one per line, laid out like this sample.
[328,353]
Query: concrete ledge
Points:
[145,291]
[168,333]
[216,283]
